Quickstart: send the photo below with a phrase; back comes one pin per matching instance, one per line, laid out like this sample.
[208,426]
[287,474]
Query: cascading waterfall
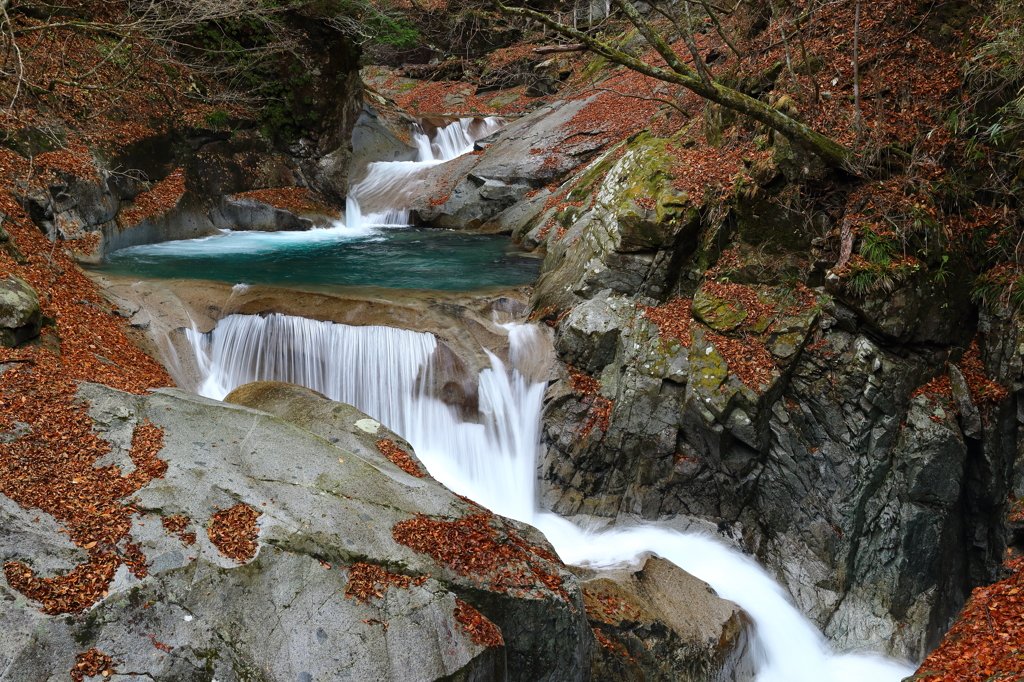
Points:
[391,183]
[385,373]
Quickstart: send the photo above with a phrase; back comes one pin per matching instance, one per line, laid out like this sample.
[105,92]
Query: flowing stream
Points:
[384,372]
[376,249]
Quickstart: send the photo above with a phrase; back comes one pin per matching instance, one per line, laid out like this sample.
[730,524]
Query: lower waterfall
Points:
[384,372]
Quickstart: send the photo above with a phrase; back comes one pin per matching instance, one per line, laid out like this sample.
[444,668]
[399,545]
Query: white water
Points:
[388,186]
[382,371]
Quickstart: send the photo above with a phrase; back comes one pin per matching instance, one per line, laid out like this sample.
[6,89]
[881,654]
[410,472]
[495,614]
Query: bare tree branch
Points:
[830,151]
[669,102]
[721,30]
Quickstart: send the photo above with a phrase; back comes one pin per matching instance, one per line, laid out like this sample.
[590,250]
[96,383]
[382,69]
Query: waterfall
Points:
[388,187]
[455,139]
[372,368]
[385,373]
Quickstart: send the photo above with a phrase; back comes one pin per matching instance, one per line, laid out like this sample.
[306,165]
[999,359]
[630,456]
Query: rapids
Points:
[384,372]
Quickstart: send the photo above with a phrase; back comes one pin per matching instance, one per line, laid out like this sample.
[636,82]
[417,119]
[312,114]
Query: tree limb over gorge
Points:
[679,73]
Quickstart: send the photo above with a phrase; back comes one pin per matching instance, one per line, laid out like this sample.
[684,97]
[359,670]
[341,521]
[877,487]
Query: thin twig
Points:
[672,104]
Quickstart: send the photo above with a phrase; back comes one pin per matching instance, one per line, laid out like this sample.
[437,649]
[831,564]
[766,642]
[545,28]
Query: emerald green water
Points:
[405,258]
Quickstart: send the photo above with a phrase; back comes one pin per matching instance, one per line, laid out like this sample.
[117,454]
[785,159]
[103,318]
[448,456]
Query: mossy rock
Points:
[648,210]
[20,316]
[583,188]
[718,313]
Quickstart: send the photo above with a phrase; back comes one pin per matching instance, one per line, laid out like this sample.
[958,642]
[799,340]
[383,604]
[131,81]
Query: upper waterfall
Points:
[387,187]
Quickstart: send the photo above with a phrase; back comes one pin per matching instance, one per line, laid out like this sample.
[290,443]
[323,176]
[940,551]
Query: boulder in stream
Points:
[659,623]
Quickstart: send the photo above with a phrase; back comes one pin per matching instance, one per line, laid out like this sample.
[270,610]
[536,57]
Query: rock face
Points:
[179,185]
[303,608]
[833,435]
[380,136]
[659,623]
[122,210]
[20,318]
[245,214]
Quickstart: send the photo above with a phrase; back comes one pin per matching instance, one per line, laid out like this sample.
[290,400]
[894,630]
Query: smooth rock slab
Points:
[284,614]
[661,624]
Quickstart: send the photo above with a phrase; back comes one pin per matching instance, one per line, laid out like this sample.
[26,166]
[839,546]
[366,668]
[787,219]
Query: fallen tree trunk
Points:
[548,49]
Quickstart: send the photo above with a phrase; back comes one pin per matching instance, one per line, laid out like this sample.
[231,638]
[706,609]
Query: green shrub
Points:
[218,119]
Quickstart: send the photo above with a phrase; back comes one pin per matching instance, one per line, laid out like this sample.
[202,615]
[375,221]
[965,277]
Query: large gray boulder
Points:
[324,513]
[658,623]
[20,316]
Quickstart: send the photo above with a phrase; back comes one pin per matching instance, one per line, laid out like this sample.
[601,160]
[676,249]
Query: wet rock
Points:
[20,316]
[326,418]
[659,623]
